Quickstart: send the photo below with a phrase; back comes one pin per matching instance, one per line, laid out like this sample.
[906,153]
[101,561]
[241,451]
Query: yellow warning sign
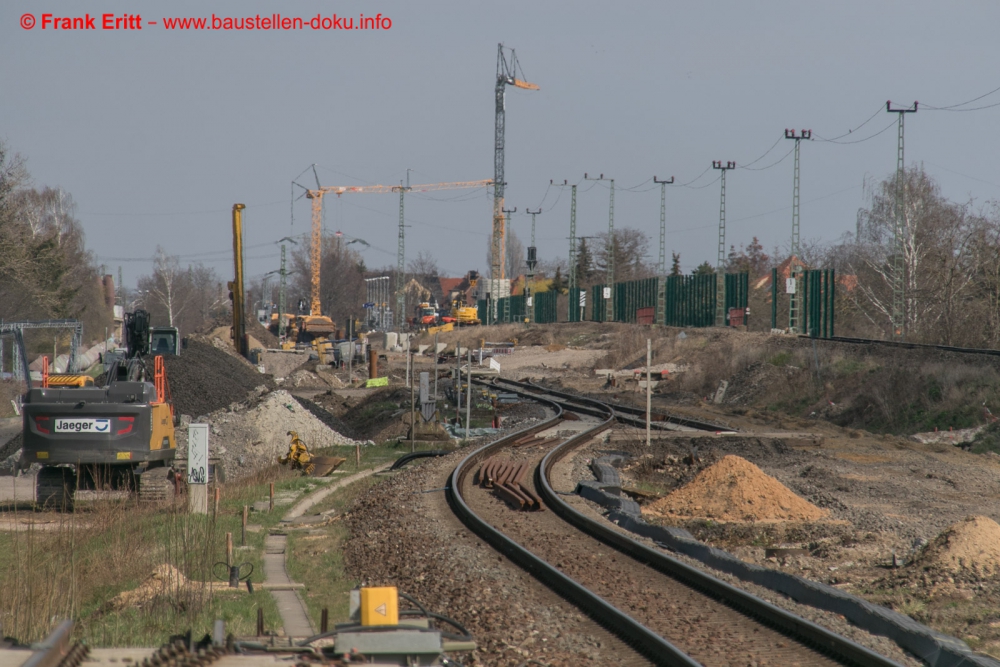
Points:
[379,606]
[124,456]
[42,455]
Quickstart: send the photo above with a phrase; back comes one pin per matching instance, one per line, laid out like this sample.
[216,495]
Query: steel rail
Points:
[796,627]
[905,345]
[645,641]
[622,412]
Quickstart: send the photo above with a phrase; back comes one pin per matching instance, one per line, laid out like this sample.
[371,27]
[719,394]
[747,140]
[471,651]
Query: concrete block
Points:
[422,348]
[440,348]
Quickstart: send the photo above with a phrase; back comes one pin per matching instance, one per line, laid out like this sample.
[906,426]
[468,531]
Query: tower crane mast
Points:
[508,70]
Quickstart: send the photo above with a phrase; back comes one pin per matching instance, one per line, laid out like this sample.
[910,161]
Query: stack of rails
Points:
[506,477]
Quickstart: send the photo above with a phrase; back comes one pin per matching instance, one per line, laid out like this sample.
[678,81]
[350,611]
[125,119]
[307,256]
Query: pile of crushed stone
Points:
[251,436]
[733,489]
[972,544]
[205,378]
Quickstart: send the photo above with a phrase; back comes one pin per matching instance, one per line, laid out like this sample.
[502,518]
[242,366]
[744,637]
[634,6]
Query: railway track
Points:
[907,346]
[668,612]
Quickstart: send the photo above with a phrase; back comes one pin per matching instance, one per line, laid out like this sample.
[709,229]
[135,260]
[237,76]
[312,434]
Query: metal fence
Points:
[818,302]
[689,301]
[545,307]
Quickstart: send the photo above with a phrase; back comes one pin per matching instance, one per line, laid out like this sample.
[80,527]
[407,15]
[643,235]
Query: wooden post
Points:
[649,384]
[229,549]
[246,511]
[324,620]
[357,454]
[217,493]
[413,406]
[468,397]
[270,506]
[260,615]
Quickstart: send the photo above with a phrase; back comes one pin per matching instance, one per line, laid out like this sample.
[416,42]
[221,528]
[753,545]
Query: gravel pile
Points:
[331,420]
[254,434]
[205,378]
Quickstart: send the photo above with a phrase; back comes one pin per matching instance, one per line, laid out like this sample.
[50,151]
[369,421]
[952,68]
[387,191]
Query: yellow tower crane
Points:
[317,323]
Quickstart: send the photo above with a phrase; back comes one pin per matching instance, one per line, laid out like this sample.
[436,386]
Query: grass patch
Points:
[987,440]
[780,359]
[74,568]
[315,557]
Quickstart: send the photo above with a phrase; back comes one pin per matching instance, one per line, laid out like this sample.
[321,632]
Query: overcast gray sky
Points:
[157,133]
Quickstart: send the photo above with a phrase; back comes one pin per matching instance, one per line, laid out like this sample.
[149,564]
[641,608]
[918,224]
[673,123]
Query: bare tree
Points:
[939,260]
[630,249]
[168,288]
[342,279]
[423,266]
[515,258]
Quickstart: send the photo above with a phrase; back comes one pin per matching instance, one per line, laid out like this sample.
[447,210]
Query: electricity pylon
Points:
[532,261]
[572,279]
[720,267]
[795,270]
[661,265]
[609,282]
[898,230]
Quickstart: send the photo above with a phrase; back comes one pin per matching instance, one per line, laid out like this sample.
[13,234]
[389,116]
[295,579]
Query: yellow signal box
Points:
[380,606]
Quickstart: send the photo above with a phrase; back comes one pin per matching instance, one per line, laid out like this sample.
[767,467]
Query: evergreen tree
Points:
[704,269]
[559,285]
[675,264]
[584,265]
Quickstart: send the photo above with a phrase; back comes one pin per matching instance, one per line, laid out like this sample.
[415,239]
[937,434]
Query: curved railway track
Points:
[906,346]
[669,612]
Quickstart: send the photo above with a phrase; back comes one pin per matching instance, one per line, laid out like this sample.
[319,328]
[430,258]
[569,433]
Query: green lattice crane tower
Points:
[505,316]
[720,265]
[795,270]
[509,73]
[898,231]
[609,281]
[661,264]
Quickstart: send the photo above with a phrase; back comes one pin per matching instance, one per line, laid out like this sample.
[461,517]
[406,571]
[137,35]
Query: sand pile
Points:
[733,489]
[971,544]
[165,580]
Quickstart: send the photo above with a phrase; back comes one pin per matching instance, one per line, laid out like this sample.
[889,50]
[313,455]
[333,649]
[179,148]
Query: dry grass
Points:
[74,569]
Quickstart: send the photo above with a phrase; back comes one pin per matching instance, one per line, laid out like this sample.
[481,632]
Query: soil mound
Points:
[205,378]
[733,489]
[971,544]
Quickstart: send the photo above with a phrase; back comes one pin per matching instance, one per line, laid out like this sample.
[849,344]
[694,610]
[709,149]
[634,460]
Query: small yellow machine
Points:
[298,456]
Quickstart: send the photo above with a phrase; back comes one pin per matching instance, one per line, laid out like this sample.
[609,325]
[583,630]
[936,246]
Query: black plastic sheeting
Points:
[935,648]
